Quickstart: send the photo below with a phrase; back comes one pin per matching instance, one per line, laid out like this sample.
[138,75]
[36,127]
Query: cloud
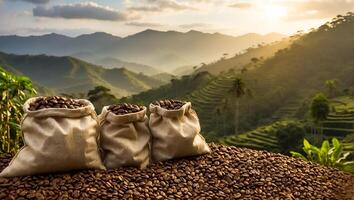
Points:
[143,24]
[87,10]
[241,5]
[319,9]
[32,1]
[159,6]
[37,1]
[194,25]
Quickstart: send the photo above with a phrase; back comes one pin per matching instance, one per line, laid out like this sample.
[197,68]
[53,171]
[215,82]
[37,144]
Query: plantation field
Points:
[208,98]
[340,124]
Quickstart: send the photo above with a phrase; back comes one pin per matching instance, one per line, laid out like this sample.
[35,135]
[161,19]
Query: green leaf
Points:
[307,145]
[335,142]
[298,155]
[323,153]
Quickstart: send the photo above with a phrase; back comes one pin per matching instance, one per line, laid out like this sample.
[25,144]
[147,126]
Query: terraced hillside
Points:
[292,107]
[262,138]
[267,137]
[340,122]
[208,98]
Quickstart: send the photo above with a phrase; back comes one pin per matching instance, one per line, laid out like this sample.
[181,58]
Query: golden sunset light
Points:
[177,99]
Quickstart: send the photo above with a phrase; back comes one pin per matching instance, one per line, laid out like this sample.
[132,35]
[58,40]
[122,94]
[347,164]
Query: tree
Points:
[331,86]
[254,60]
[14,91]
[238,90]
[244,70]
[319,109]
[101,96]
[290,135]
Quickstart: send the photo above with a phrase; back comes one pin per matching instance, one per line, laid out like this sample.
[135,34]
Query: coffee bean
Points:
[218,175]
[55,102]
[169,104]
[124,108]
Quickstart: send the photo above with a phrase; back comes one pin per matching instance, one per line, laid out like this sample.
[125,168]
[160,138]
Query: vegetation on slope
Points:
[294,73]
[242,59]
[14,91]
[70,75]
[177,88]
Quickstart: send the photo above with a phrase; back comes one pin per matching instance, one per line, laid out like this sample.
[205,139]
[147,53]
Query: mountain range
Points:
[72,76]
[159,51]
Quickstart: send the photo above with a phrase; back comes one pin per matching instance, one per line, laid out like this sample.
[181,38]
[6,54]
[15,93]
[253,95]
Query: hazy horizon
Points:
[157,30]
[126,17]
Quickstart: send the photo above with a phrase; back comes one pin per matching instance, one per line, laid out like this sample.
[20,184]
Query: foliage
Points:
[71,75]
[280,136]
[327,154]
[100,96]
[331,86]
[177,88]
[14,91]
[238,90]
[319,107]
[290,136]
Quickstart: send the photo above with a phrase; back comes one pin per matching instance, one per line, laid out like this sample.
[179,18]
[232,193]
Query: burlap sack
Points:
[56,139]
[125,139]
[175,133]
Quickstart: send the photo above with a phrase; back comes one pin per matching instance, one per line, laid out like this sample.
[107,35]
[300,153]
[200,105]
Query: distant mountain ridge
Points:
[71,75]
[166,50]
[56,44]
[290,73]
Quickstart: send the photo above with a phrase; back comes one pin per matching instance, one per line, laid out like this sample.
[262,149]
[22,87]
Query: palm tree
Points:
[238,89]
[331,86]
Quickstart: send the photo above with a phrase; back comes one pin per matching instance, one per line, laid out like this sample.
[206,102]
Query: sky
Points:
[126,17]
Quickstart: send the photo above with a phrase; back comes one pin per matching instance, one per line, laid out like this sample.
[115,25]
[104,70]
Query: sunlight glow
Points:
[273,12]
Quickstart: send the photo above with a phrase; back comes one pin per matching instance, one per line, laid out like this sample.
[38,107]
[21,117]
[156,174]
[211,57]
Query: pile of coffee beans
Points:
[55,102]
[226,173]
[169,104]
[125,108]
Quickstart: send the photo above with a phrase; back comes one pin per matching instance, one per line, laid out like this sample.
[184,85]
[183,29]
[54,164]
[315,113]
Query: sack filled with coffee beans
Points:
[125,136]
[175,130]
[59,134]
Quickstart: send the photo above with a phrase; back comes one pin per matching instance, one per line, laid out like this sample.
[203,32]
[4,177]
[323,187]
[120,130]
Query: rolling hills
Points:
[242,59]
[286,79]
[71,75]
[165,50]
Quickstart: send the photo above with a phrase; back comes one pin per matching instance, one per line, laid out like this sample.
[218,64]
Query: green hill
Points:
[177,88]
[340,124]
[242,59]
[71,75]
[286,79]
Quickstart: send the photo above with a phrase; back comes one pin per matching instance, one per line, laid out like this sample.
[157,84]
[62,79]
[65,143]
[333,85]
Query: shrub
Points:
[290,136]
[328,155]
[14,91]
